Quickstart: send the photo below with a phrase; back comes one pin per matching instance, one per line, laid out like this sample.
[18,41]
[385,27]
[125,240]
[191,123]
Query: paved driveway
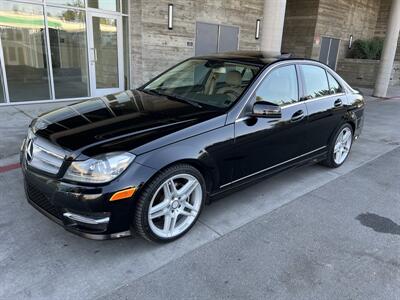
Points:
[297,235]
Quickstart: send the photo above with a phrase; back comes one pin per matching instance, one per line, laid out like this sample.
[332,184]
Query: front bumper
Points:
[86,210]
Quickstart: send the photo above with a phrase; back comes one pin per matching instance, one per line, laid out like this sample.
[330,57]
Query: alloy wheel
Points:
[342,145]
[175,205]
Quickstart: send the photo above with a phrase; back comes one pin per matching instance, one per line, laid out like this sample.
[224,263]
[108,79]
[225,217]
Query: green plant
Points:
[367,49]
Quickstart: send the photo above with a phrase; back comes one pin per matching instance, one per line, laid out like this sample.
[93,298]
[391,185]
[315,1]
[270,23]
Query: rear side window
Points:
[279,87]
[334,86]
[315,81]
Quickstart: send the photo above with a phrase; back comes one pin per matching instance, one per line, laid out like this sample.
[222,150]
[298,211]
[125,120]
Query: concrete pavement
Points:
[340,241]
[306,211]
[14,121]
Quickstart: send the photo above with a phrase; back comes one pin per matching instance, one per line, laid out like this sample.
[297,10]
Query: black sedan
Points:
[148,160]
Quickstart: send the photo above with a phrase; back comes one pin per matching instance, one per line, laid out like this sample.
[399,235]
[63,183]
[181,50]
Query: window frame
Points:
[240,111]
[304,94]
[327,71]
[330,88]
[299,86]
[45,4]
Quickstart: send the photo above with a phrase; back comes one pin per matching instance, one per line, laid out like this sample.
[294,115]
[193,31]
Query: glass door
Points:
[105,53]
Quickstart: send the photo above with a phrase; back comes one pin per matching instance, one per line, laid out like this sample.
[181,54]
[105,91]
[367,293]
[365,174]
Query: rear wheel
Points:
[171,204]
[340,146]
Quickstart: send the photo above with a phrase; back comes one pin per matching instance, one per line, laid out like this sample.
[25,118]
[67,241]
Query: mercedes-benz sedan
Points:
[148,160]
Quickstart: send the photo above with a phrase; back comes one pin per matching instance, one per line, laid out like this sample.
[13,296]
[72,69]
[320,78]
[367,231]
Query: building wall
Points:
[299,27]
[342,18]
[154,48]
[306,21]
[362,72]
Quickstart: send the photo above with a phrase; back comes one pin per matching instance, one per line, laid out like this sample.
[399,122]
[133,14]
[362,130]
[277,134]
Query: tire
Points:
[332,160]
[163,205]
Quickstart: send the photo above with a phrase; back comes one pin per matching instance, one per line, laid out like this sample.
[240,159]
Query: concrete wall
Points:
[299,27]
[362,72]
[341,18]
[155,48]
[306,21]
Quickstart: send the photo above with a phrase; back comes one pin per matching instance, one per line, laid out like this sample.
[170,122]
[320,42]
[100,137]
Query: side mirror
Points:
[264,109]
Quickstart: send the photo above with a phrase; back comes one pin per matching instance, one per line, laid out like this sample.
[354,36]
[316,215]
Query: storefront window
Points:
[125,6]
[125,22]
[76,3]
[22,34]
[2,97]
[67,35]
[112,5]
[74,51]
[106,46]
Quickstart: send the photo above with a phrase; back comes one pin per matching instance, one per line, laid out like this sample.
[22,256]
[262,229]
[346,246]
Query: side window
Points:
[334,86]
[247,75]
[315,81]
[280,87]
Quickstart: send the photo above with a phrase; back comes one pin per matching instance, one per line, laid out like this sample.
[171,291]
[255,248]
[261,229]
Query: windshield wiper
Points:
[173,96]
[152,92]
[177,97]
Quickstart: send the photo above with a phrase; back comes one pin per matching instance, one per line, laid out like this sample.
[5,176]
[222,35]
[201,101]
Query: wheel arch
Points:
[348,118]
[201,160]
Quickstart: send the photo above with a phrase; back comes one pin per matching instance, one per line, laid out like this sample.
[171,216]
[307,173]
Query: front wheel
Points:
[340,146]
[171,204]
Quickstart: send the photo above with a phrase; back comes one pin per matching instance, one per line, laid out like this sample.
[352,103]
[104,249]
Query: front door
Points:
[263,144]
[105,53]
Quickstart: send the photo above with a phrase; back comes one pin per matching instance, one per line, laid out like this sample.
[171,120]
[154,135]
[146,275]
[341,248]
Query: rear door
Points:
[326,104]
[262,144]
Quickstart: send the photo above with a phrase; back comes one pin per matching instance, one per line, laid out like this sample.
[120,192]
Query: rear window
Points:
[334,86]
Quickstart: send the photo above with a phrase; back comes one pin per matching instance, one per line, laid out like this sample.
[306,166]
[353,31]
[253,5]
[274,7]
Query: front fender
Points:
[209,151]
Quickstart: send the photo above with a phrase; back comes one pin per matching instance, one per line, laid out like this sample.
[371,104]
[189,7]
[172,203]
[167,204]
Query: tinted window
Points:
[334,86]
[247,75]
[280,87]
[316,82]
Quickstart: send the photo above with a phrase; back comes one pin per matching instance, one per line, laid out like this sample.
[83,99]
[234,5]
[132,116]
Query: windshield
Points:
[210,82]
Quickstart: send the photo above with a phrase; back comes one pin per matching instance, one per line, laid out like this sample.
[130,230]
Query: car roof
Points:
[252,57]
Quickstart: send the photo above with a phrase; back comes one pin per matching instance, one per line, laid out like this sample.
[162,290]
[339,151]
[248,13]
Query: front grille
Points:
[44,156]
[42,201]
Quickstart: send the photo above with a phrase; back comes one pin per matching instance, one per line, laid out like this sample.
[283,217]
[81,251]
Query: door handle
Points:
[338,103]
[297,116]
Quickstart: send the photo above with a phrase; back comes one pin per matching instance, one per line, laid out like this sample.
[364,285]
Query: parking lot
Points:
[310,233]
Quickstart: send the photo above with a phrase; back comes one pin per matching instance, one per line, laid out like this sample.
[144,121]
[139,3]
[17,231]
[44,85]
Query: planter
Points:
[362,72]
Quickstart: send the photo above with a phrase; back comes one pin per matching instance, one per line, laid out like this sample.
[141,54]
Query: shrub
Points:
[367,49]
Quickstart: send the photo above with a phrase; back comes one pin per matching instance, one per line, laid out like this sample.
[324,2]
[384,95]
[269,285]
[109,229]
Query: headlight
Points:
[99,169]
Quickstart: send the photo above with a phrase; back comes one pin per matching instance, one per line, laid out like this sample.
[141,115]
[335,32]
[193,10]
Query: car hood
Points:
[123,122]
